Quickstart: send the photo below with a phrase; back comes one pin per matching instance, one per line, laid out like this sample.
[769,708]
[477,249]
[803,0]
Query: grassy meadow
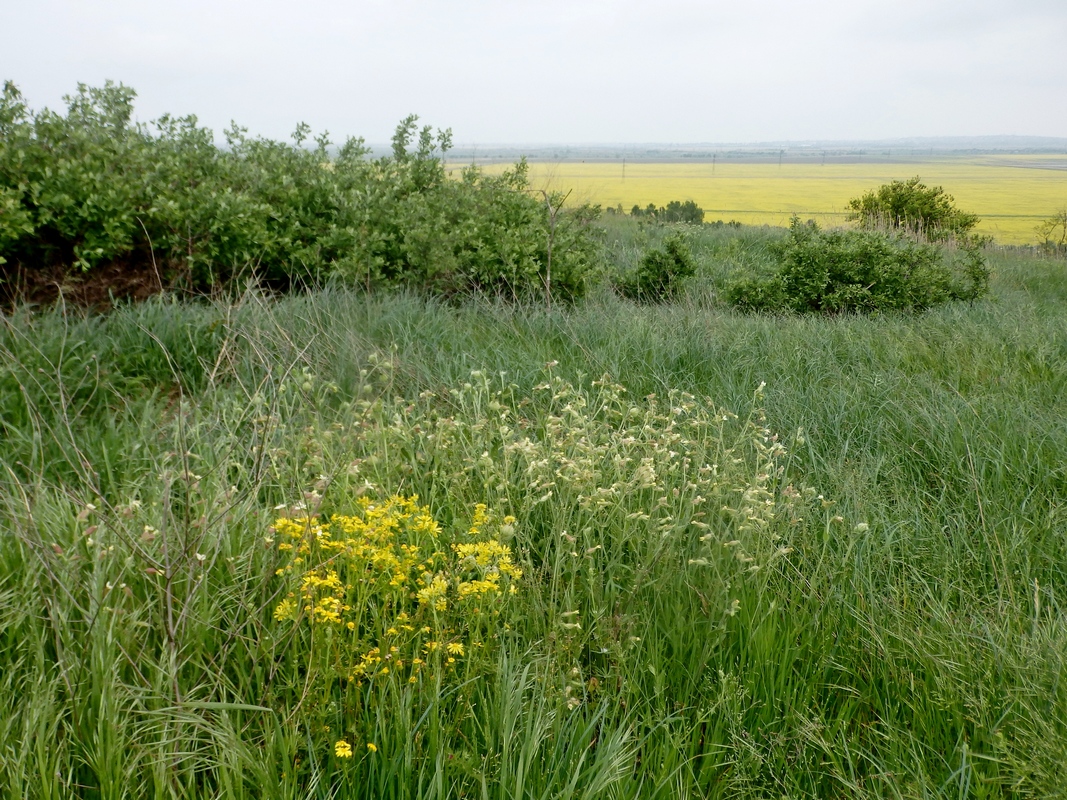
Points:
[1011,193]
[348,545]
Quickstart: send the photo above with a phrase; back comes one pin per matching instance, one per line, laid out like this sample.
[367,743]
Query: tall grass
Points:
[899,482]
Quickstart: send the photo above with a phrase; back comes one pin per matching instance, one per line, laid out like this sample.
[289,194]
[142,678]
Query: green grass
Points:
[906,640]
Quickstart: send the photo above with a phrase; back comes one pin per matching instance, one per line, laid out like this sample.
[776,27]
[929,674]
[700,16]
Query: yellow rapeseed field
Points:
[1011,193]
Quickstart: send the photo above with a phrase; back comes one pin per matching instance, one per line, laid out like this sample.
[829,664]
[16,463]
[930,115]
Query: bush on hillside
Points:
[660,272]
[862,272]
[92,192]
[912,206]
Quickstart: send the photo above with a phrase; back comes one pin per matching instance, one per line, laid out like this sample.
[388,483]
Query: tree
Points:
[688,212]
[913,206]
[1054,231]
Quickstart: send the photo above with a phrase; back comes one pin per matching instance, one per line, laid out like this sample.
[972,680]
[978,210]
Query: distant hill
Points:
[837,151]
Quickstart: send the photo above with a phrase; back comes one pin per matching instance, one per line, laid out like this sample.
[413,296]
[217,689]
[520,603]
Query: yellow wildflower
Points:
[434,594]
[342,749]
[468,588]
[286,610]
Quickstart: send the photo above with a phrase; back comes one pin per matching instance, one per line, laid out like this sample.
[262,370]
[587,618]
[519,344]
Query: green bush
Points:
[91,189]
[481,233]
[862,271]
[660,272]
[913,206]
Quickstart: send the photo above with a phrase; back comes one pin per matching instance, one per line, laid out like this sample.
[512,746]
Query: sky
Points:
[561,71]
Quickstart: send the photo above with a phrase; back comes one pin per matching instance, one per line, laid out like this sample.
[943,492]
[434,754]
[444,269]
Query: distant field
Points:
[1011,193]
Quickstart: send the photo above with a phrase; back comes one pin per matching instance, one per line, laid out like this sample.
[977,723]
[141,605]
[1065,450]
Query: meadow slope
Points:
[751,556]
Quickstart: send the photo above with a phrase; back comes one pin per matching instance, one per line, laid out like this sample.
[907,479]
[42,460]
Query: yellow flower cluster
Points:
[434,594]
[484,564]
[342,749]
[385,589]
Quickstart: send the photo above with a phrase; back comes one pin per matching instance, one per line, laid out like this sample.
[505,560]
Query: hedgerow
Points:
[92,189]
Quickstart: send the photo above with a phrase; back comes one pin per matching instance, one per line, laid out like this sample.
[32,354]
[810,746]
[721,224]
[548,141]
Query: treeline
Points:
[90,190]
[687,212]
[675,212]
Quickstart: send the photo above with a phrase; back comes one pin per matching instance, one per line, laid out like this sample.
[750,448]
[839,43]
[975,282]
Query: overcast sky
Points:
[555,71]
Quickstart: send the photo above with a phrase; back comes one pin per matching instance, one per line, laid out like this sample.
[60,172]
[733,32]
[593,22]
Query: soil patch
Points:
[98,289]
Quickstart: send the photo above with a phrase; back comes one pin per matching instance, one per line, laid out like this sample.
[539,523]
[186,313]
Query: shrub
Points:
[913,206]
[482,233]
[660,272]
[90,190]
[862,271]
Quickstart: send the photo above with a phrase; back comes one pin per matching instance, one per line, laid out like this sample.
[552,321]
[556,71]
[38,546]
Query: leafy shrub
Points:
[862,271]
[481,233]
[913,206]
[66,181]
[660,272]
[91,189]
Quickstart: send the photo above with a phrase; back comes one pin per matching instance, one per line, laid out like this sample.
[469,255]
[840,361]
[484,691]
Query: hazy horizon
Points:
[948,142]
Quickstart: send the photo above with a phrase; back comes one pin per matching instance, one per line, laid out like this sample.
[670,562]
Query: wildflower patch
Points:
[386,598]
